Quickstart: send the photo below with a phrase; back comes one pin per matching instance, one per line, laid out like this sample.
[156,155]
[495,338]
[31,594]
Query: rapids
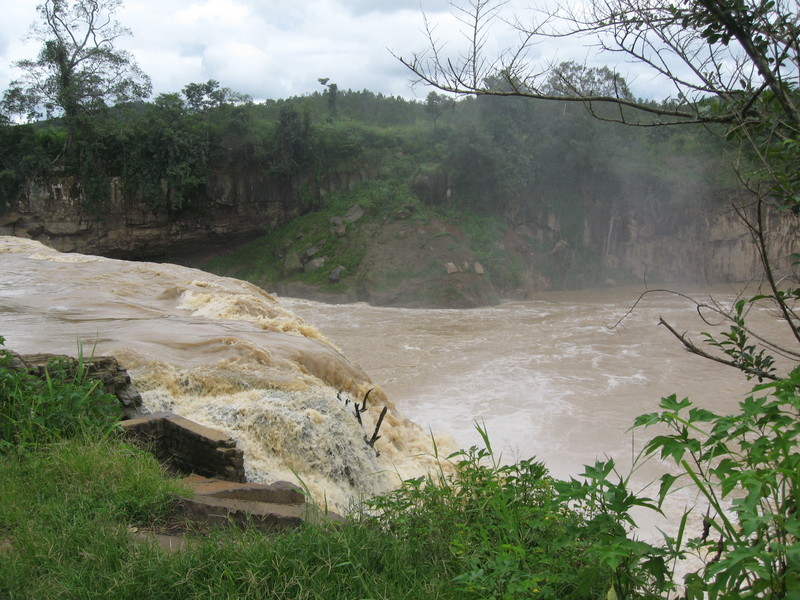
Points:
[554,377]
[221,352]
[558,377]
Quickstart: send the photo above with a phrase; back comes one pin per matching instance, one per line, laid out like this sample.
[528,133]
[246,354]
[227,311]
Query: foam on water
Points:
[221,352]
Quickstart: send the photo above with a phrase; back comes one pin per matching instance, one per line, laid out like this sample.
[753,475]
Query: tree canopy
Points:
[744,52]
[79,66]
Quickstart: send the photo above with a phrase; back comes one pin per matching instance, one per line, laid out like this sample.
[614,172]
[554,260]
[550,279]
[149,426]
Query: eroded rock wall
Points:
[705,242]
[709,242]
[234,206]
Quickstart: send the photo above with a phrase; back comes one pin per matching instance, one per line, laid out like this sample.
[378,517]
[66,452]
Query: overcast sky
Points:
[279,48]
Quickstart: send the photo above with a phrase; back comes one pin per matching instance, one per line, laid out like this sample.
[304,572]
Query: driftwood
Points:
[375,436]
[360,407]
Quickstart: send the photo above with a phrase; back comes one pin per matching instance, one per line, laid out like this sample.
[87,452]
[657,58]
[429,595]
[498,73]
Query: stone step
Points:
[280,492]
[279,505]
[263,515]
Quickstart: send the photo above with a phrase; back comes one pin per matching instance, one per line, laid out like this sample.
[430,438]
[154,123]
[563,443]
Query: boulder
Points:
[315,263]
[292,264]
[353,214]
[336,274]
[315,248]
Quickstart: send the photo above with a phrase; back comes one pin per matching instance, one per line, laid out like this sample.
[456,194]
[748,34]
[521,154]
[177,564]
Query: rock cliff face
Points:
[706,242]
[236,206]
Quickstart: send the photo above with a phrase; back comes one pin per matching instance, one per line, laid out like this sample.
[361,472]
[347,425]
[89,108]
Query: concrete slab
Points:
[167,542]
[281,492]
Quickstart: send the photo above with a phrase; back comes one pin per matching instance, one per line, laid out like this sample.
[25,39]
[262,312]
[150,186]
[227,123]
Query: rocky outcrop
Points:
[234,206]
[704,242]
[707,244]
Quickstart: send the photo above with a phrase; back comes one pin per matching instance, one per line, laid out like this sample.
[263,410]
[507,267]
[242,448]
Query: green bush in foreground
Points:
[746,468]
[509,531]
[486,531]
[35,411]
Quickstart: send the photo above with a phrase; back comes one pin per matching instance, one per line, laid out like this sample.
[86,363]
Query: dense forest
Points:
[507,156]
[487,164]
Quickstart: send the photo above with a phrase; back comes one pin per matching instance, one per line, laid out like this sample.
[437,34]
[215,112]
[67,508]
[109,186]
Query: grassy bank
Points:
[66,510]
[73,492]
[71,497]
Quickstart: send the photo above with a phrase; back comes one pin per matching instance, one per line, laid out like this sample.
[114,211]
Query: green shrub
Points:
[35,411]
[746,466]
[505,531]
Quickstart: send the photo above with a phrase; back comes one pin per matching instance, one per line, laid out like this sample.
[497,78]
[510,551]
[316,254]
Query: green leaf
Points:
[671,403]
[667,479]
[701,415]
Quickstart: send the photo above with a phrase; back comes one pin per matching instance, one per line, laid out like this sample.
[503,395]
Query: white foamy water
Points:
[221,352]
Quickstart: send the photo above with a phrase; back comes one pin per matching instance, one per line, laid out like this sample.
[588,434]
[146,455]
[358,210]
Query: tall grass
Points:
[482,531]
[63,404]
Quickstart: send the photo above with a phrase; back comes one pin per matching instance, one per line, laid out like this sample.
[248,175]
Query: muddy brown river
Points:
[557,377]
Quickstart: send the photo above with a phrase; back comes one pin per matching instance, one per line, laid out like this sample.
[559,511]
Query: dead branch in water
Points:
[364,404]
[375,436]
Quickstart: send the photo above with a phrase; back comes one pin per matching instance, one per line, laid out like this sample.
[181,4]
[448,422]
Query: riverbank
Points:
[68,513]
[366,245]
[407,255]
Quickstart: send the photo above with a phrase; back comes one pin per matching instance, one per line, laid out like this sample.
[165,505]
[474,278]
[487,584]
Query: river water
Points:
[558,377]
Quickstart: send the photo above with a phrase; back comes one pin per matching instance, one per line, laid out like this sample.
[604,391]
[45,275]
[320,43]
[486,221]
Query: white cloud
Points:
[278,48]
[218,12]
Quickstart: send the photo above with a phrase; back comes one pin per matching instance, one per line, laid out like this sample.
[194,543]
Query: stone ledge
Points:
[186,446]
[247,513]
[280,492]
[105,369]
[224,511]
